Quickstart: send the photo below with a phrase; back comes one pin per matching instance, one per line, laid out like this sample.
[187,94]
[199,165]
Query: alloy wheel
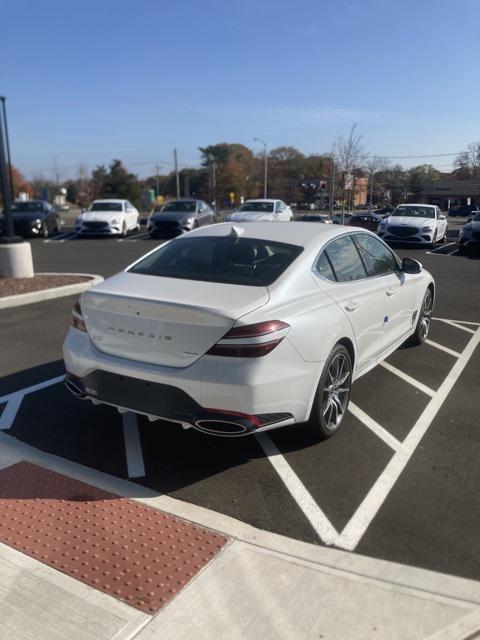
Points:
[336,391]
[427,310]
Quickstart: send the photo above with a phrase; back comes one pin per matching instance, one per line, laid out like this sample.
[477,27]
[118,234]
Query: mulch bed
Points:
[15,286]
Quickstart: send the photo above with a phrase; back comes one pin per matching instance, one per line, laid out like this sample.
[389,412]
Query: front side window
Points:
[345,260]
[377,258]
[246,261]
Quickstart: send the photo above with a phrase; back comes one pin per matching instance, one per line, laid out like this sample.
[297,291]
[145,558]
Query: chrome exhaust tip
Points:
[224,428]
[75,387]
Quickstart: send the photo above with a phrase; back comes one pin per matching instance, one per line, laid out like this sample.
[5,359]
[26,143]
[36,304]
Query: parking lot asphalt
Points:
[399,481]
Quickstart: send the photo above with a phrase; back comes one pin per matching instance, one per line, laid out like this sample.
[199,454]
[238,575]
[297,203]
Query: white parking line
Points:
[377,429]
[14,401]
[62,237]
[319,521]
[442,348]
[366,512]
[409,379]
[452,323]
[10,411]
[133,446]
[439,250]
[476,324]
[139,236]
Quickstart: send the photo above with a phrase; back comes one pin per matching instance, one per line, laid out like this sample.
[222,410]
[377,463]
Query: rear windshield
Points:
[263,207]
[245,261]
[106,206]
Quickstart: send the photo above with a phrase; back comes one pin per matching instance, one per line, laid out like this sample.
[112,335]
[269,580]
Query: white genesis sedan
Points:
[262,210]
[414,223]
[108,218]
[236,329]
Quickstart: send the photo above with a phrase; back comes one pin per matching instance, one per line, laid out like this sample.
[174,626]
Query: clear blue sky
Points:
[88,81]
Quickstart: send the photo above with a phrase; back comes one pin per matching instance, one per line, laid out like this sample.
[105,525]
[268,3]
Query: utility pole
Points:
[332,184]
[265,167]
[157,175]
[214,185]
[177,177]
[371,190]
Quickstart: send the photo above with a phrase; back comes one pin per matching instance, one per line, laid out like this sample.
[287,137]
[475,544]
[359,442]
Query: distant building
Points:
[450,193]
[360,191]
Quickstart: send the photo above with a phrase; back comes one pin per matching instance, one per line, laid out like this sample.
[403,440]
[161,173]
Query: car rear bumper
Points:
[256,393]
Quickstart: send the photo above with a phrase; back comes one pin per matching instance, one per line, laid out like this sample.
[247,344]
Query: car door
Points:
[382,265]
[344,278]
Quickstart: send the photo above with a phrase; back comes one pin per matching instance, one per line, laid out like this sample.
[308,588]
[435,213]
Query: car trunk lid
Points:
[164,321]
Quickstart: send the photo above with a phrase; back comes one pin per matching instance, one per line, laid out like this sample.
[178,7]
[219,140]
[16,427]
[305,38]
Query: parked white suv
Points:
[108,217]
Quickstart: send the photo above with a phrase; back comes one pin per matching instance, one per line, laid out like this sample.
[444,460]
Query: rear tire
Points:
[332,396]
[424,320]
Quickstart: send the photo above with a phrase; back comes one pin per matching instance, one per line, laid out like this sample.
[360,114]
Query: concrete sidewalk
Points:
[261,585]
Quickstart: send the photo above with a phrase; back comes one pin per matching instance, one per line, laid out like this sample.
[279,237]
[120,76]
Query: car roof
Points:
[299,233]
[262,200]
[110,200]
[182,200]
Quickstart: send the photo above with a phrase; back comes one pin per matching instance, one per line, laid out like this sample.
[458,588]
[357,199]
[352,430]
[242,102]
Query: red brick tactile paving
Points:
[134,553]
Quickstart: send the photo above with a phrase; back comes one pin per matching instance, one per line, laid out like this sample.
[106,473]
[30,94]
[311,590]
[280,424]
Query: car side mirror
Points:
[409,265]
[442,217]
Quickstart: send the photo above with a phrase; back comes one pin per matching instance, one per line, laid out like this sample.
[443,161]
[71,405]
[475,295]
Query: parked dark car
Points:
[179,216]
[339,218]
[33,218]
[386,210]
[368,221]
[469,238]
[463,210]
[313,217]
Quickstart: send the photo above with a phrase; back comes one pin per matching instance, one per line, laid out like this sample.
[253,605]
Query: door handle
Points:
[351,305]
[390,292]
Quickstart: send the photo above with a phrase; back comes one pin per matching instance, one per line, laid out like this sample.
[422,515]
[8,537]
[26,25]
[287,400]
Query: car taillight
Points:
[77,318]
[251,340]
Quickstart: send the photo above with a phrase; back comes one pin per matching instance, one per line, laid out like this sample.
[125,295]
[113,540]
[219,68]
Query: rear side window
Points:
[324,267]
[345,260]
[245,261]
[378,259]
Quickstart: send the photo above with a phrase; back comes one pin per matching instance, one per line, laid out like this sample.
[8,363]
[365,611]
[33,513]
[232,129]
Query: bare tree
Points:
[468,162]
[349,154]
[374,165]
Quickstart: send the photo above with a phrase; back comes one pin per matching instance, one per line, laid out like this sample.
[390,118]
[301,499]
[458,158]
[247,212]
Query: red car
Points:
[368,221]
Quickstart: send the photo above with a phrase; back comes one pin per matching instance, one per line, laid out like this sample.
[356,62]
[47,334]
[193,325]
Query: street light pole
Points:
[265,168]
[5,187]
[371,189]
[7,144]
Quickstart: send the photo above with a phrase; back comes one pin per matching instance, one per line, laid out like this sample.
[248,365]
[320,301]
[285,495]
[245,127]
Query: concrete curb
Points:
[8,302]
